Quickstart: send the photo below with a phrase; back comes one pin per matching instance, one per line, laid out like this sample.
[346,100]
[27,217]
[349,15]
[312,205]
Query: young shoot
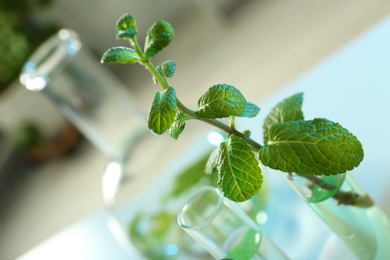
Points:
[292,143]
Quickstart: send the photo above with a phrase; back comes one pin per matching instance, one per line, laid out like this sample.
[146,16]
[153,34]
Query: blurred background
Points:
[50,176]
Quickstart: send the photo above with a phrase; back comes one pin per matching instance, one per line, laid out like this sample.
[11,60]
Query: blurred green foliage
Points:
[27,135]
[20,34]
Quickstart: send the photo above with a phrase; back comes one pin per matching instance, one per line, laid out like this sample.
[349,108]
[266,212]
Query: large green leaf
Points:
[158,37]
[239,172]
[120,55]
[163,111]
[126,27]
[287,110]
[221,100]
[314,147]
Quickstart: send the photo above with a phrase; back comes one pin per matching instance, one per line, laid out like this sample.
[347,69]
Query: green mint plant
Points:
[292,144]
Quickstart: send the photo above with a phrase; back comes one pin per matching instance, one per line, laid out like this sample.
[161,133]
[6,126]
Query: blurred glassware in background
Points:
[85,93]
[348,210]
[223,228]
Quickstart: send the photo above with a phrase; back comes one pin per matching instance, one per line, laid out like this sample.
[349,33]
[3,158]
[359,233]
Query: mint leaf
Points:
[158,37]
[221,100]
[239,172]
[251,110]
[126,27]
[178,125]
[287,110]
[120,55]
[163,111]
[176,128]
[314,147]
[166,69]
[247,133]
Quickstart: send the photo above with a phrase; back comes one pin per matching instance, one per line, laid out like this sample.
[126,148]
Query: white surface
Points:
[87,239]
[351,87]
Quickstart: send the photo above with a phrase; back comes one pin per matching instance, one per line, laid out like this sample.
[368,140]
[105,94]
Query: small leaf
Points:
[251,110]
[178,125]
[221,100]
[176,128]
[166,69]
[287,110]
[314,147]
[239,172]
[247,133]
[120,55]
[163,111]
[126,27]
[158,37]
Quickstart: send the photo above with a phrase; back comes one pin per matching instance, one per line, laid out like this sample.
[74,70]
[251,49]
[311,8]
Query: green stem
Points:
[137,48]
[148,64]
[218,124]
[160,79]
[231,122]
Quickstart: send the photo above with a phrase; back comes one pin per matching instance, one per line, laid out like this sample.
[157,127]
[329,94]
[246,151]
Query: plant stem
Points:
[256,146]
[343,198]
[137,48]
